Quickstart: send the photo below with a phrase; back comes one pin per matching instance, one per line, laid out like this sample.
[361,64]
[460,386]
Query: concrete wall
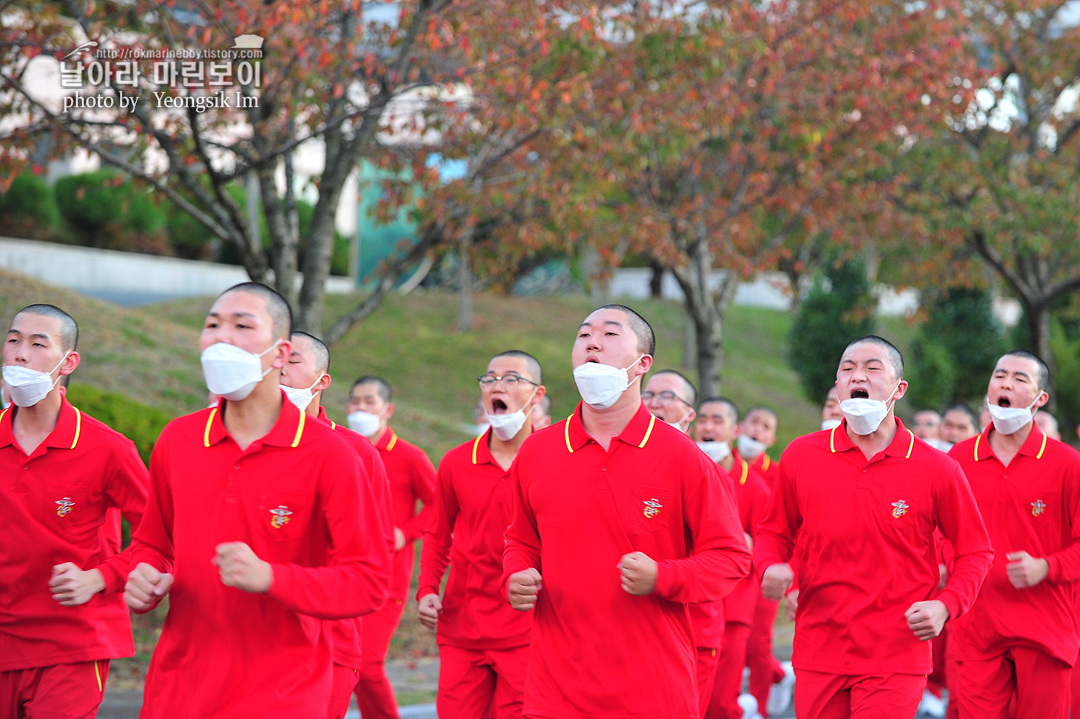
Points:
[125,277]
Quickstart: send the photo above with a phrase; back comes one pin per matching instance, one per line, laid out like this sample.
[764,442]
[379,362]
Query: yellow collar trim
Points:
[648,432]
[299,430]
[745,472]
[78,427]
[1041,449]
[566,434]
[393,441]
[206,431]
[475,446]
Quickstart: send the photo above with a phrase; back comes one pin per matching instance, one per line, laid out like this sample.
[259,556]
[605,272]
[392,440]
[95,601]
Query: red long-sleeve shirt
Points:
[1032,505]
[578,508]
[767,468]
[347,634]
[412,479]
[866,537]
[294,497]
[752,495]
[472,509]
[59,505]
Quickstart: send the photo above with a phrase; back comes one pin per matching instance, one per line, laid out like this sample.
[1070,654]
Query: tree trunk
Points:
[1037,319]
[465,289]
[656,280]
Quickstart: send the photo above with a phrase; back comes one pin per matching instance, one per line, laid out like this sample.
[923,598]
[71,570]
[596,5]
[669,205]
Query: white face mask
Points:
[939,444]
[301,397]
[4,403]
[27,386]
[601,385]
[678,424]
[865,415]
[364,423]
[749,448]
[231,372]
[506,426]
[715,451]
[830,423]
[1007,420]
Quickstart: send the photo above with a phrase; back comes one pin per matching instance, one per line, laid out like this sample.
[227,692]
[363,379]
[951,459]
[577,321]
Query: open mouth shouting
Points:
[498,406]
[860,393]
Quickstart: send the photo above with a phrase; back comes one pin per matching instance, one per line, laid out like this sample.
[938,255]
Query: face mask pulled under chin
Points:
[865,415]
[716,451]
[231,372]
[26,386]
[364,423]
[749,448]
[301,397]
[830,423]
[1010,420]
[506,426]
[601,385]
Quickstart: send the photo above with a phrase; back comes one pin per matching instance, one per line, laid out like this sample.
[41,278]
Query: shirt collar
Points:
[636,432]
[286,432]
[481,451]
[387,441]
[326,418]
[65,434]
[901,446]
[1033,446]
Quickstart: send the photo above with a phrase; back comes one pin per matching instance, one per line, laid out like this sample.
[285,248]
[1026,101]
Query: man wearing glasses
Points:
[483,642]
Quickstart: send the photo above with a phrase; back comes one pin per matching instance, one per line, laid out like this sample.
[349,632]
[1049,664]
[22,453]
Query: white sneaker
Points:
[931,705]
[749,706]
[781,693]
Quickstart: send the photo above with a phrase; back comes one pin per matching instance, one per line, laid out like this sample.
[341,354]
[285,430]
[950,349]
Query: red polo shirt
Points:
[578,508]
[752,495]
[295,496]
[766,467]
[866,547]
[412,479]
[1032,505]
[347,633]
[59,505]
[472,509]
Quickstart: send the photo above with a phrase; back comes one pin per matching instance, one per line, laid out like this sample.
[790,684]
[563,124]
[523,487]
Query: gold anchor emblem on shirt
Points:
[652,508]
[281,516]
[64,508]
[1037,507]
[900,508]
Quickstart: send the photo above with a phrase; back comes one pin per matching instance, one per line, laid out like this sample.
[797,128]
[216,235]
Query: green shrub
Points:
[838,310]
[962,338]
[138,422]
[931,374]
[28,209]
[105,211]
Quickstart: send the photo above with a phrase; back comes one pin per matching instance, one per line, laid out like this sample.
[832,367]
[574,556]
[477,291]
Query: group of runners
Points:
[628,561]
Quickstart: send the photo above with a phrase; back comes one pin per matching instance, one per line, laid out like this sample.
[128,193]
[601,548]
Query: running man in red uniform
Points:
[303,379]
[670,396]
[863,501]
[63,476]
[618,523]
[483,642]
[716,426]
[1014,650]
[412,482]
[259,527]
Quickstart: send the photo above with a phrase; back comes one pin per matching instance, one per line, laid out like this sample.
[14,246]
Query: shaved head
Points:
[69,329]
